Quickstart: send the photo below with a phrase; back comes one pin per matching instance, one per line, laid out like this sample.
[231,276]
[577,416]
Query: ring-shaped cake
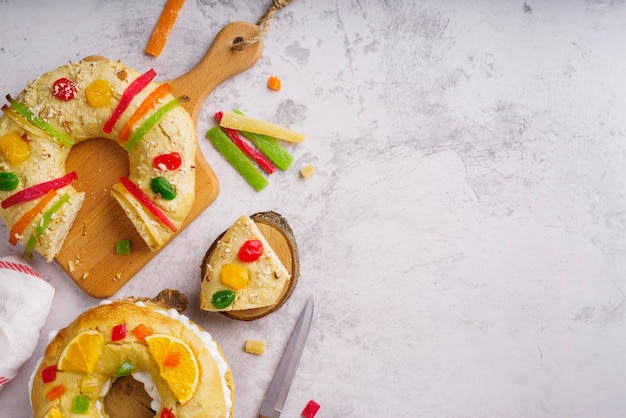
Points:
[94,98]
[181,366]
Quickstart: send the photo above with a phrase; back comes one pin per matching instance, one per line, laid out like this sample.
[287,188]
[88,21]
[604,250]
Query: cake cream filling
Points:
[145,377]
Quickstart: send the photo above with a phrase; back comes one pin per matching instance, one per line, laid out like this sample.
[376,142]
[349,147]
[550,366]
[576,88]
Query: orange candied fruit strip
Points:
[164,27]
[273,83]
[141,332]
[147,105]
[55,392]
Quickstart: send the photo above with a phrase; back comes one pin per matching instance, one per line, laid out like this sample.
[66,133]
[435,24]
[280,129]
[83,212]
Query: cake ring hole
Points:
[99,163]
[128,398]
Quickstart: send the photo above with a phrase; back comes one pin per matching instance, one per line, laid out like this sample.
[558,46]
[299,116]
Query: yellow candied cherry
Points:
[14,148]
[235,276]
[99,93]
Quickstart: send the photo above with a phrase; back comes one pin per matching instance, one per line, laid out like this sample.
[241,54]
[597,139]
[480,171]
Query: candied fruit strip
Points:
[258,157]
[236,158]
[163,27]
[152,120]
[129,94]
[43,225]
[35,120]
[146,106]
[145,200]
[241,122]
[21,224]
[38,190]
[270,147]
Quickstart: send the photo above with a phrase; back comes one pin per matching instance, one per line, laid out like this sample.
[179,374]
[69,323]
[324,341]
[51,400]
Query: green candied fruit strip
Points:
[270,148]
[43,225]
[80,405]
[236,158]
[8,181]
[23,111]
[152,120]
[122,247]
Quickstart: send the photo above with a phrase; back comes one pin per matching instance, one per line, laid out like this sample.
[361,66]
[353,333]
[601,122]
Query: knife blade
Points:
[279,388]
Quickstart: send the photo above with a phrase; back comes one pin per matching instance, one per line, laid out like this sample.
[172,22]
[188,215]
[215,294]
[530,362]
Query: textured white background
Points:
[464,235]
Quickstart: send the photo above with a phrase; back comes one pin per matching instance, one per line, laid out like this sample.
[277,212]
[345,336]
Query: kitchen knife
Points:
[279,388]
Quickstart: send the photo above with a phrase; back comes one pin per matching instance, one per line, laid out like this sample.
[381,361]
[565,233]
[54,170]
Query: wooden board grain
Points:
[88,255]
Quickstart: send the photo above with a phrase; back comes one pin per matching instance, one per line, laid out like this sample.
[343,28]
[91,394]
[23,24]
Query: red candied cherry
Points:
[251,250]
[167,162]
[64,89]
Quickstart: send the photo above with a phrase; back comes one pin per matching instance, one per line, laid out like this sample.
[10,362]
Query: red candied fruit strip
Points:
[64,89]
[38,190]
[310,409]
[259,158]
[144,200]
[131,91]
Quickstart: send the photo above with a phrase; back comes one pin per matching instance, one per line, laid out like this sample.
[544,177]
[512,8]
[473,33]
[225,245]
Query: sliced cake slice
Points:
[242,271]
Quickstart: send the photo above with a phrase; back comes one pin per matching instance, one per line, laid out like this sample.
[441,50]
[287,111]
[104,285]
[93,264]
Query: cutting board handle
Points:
[220,63]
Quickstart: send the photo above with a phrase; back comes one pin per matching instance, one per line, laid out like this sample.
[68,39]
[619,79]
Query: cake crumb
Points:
[85,274]
[255,347]
[307,171]
[71,266]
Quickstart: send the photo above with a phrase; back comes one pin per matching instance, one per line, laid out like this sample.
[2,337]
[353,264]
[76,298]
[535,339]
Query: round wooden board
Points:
[279,234]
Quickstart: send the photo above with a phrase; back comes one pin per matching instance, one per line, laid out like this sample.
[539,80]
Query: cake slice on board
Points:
[251,269]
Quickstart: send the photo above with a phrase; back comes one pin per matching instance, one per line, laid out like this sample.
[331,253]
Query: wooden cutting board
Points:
[88,255]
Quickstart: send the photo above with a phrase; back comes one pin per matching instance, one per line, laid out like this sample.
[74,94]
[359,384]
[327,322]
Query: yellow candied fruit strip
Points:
[255,347]
[239,122]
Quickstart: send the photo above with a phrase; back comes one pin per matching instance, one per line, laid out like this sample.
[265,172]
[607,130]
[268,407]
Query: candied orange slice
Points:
[182,378]
[82,352]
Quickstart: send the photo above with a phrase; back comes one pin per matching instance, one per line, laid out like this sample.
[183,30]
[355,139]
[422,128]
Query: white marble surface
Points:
[464,234]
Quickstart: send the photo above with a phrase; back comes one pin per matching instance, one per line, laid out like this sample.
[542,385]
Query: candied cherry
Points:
[64,89]
[167,162]
[251,250]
